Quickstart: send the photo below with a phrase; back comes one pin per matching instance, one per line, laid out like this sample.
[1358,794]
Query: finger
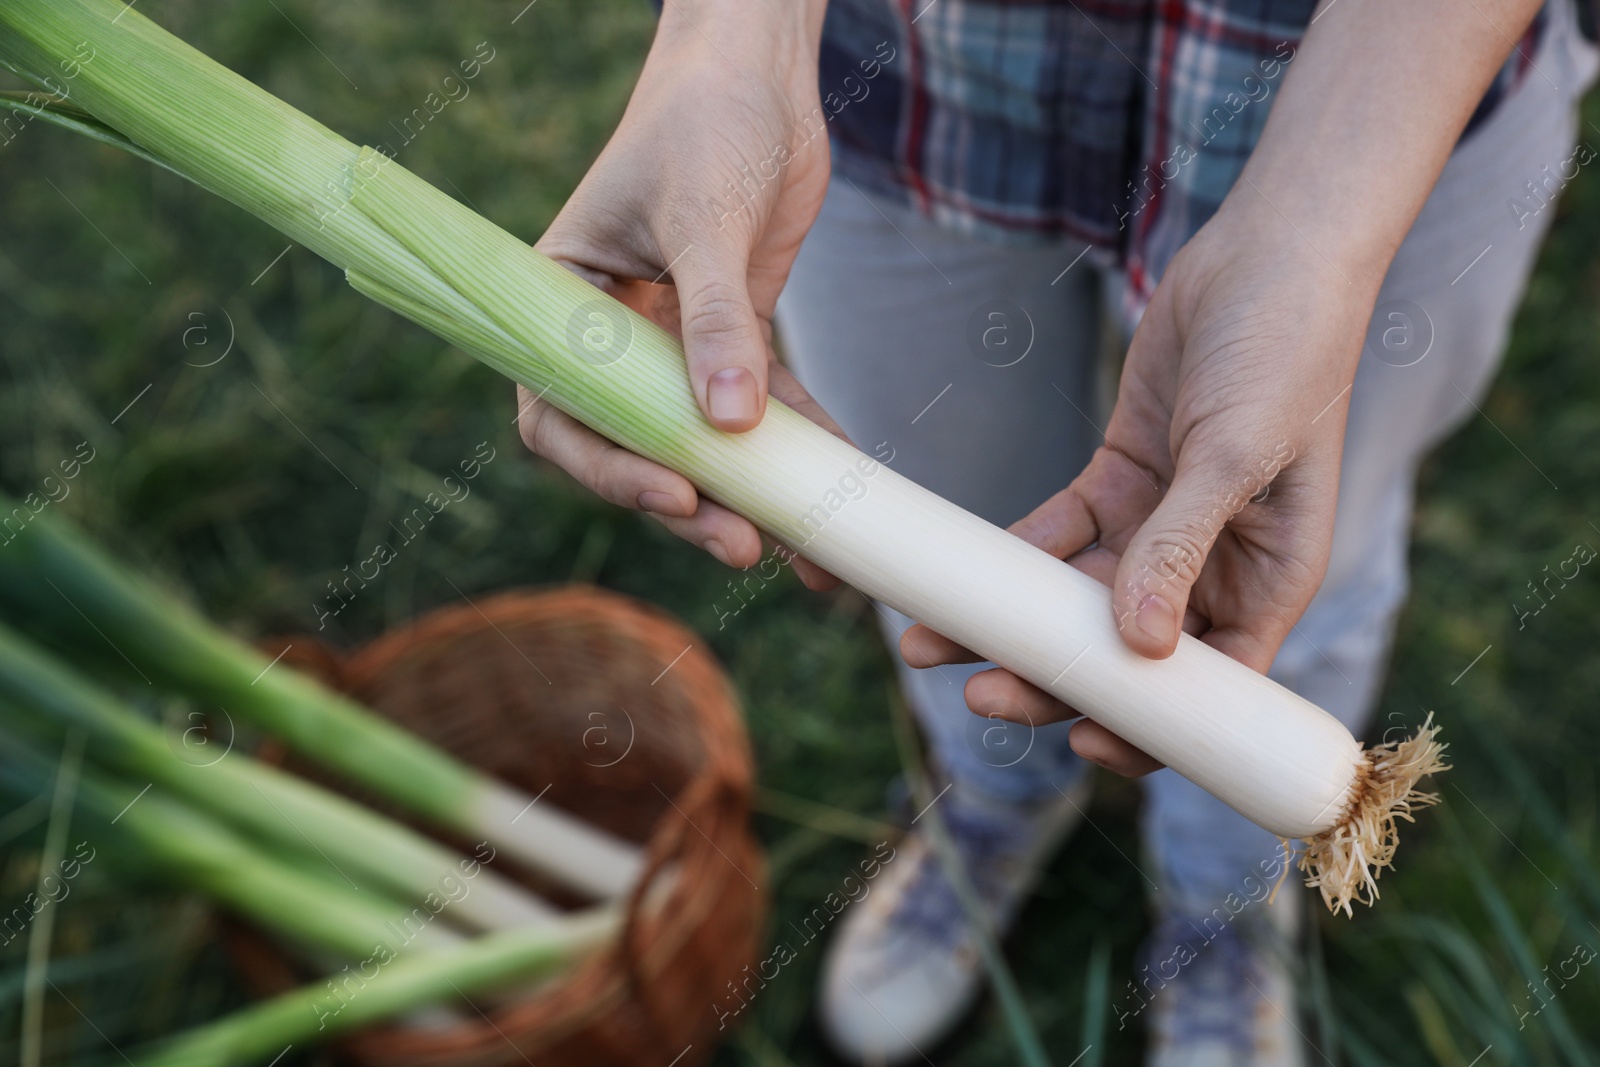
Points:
[598,236]
[814,577]
[605,467]
[921,647]
[1254,646]
[1268,588]
[786,387]
[731,539]
[1062,525]
[1163,560]
[1000,694]
[811,576]
[722,337]
[1098,745]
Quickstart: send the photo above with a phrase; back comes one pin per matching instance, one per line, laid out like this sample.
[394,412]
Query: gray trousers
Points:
[976,364]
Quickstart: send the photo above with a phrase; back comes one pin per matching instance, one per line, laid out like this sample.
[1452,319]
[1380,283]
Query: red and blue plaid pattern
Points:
[1122,123]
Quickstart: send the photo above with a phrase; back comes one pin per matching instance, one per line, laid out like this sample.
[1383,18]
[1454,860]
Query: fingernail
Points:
[731,395]
[659,503]
[720,551]
[1156,619]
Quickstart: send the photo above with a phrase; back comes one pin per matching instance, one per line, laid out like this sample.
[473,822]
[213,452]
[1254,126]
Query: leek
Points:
[495,961]
[400,960]
[203,853]
[46,697]
[1273,756]
[78,598]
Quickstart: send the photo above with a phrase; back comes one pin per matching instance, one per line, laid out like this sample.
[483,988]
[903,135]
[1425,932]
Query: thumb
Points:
[1161,563]
[722,337]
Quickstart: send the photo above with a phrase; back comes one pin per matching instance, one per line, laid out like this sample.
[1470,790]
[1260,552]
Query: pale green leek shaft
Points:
[46,697]
[198,852]
[256,1034]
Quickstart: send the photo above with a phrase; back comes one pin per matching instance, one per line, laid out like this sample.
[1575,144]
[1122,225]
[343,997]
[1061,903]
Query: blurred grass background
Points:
[253,480]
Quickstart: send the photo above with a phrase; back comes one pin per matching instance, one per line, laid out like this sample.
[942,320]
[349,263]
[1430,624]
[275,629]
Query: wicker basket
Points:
[629,722]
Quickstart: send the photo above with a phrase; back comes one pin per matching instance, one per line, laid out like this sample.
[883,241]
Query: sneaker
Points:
[904,966]
[1231,1002]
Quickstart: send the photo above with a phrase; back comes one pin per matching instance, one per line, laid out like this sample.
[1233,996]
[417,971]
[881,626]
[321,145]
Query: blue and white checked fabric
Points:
[1122,123]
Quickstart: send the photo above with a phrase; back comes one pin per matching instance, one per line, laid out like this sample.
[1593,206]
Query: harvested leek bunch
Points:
[72,593]
[44,698]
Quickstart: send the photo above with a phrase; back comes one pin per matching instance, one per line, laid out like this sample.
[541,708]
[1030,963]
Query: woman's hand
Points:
[692,216]
[1212,499]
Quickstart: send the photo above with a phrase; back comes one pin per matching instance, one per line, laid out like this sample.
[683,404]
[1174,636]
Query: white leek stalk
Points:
[1273,756]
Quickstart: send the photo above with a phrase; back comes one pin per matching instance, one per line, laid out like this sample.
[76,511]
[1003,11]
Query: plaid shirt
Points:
[1122,123]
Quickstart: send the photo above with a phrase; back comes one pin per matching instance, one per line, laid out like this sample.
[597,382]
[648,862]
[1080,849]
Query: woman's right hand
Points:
[692,216]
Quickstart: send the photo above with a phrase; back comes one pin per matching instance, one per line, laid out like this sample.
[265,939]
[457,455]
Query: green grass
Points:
[235,482]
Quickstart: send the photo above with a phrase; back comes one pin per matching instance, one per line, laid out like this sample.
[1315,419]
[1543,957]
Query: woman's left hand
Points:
[1212,499]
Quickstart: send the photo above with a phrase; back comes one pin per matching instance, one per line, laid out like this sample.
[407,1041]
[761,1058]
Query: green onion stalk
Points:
[202,853]
[303,1016]
[1273,756]
[47,697]
[400,961]
[76,597]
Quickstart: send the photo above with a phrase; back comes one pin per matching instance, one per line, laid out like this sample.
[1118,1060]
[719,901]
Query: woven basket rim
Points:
[631,975]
